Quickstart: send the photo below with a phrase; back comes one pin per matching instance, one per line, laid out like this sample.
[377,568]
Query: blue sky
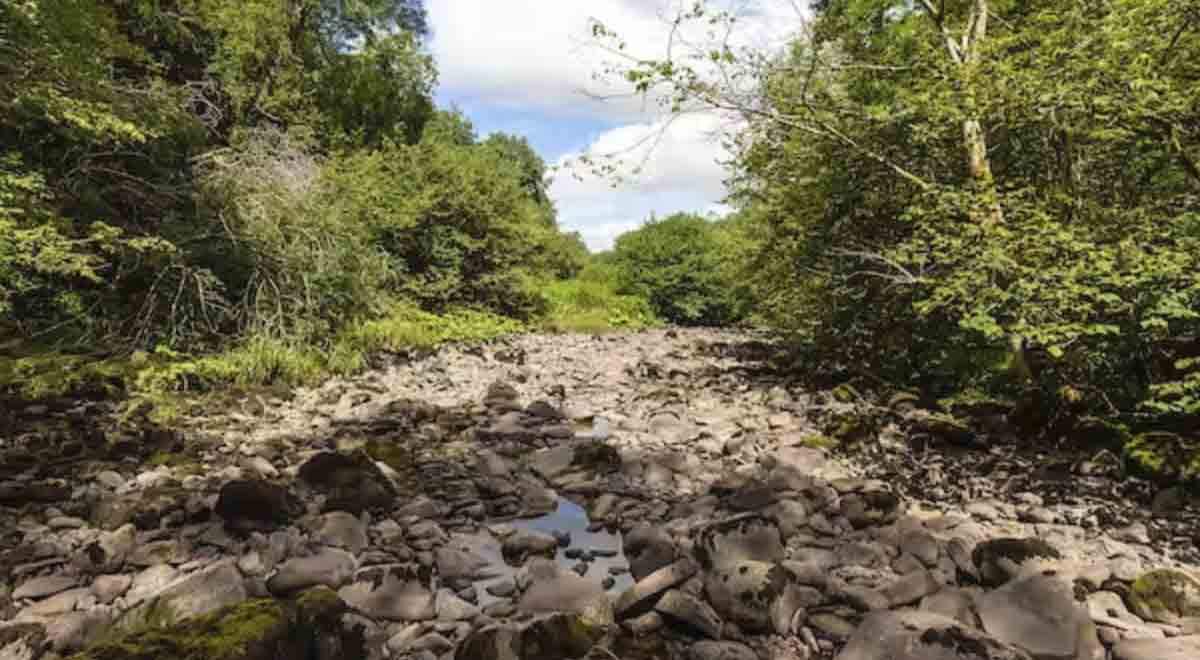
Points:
[523,66]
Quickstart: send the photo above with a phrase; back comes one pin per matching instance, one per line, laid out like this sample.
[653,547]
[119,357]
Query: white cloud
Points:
[665,167]
[541,54]
[537,56]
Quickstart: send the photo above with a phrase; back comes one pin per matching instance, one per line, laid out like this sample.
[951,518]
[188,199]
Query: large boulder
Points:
[309,627]
[330,567]
[1039,614]
[999,560]
[553,637]
[352,481]
[917,635]
[747,539]
[746,592]
[1165,595]
[648,548]
[255,501]
[194,595]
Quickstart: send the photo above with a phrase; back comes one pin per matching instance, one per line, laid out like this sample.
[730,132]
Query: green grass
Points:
[591,305]
[167,382]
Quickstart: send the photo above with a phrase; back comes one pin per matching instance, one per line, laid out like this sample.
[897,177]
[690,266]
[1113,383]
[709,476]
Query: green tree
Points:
[676,264]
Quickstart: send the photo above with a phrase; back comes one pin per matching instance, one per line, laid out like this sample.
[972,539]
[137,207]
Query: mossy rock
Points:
[1162,456]
[818,441]
[852,426]
[554,637]
[940,426]
[845,393]
[261,629]
[1165,595]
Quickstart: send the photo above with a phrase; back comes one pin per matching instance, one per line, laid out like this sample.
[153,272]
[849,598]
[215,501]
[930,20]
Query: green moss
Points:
[1165,457]
[845,393]
[1165,595]
[231,634]
[818,441]
[390,454]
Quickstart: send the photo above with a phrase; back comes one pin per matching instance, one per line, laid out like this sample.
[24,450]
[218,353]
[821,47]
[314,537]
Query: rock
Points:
[999,560]
[330,567]
[748,539]
[554,637]
[399,600]
[692,612]
[255,501]
[108,553]
[73,631]
[450,607]
[922,545]
[952,603]
[309,627]
[421,507]
[642,596]
[648,548]
[833,626]
[910,588]
[872,507]
[1165,595]
[790,516]
[1039,614]
[708,650]
[916,635]
[107,588]
[455,564]
[55,606]
[744,592]
[552,462]
[41,587]
[197,594]
[342,530]
[22,641]
[353,482]
[150,582]
[565,592]
[1177,648]
[524,543]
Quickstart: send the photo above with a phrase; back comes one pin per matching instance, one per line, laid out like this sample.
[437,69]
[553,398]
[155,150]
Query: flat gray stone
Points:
[41,587]
[331,567]
[1176,648]
[917,635]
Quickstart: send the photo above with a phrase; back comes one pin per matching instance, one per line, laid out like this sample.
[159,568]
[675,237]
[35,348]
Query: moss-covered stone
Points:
[1165,595]
[262,629]
[242,632]
[845,393]
[818,441]
[1162,456]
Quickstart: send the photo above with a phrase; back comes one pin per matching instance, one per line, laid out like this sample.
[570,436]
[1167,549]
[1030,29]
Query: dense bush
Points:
[677,264]
[248,192]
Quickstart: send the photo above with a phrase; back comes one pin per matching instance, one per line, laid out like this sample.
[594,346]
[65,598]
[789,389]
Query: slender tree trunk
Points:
[965,53]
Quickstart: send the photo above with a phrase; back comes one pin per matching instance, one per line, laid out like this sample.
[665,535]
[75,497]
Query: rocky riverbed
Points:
[663,494]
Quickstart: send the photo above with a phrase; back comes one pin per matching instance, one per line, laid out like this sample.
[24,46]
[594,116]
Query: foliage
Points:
[213,193]
[983,194]
[590,303]
[676,264]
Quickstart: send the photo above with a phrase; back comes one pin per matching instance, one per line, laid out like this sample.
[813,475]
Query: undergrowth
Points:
[166,382]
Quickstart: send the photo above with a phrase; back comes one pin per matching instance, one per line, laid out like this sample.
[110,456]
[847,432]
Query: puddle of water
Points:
[568,517]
